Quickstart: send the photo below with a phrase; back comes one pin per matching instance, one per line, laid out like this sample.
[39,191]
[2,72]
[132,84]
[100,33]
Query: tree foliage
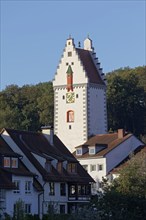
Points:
[125,198]
[28,107]
[126,99]
[31,106]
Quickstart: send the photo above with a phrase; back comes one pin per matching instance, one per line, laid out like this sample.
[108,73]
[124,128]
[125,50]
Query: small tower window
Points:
[70,127]
[77,96]
[69,54]
[72,63]
[63,97]
[70,116]
[66,64]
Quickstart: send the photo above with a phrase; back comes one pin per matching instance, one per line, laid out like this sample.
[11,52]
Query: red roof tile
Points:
[110,141]
[32,142]
[89,66]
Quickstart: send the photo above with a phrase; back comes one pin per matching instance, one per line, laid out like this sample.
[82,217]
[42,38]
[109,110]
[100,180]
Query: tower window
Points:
[72,63]
[70,116]
[69,54]
[77,96]
[69,126]
[66,64]
[63,97]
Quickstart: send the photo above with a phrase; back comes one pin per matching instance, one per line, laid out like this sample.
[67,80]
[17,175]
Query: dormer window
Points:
[72,168]
[59,167]
[91,150]
[14,162]
[7,162]
[10,162]
[79,151]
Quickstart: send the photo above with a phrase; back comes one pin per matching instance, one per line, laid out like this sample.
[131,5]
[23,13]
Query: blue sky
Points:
[33,36]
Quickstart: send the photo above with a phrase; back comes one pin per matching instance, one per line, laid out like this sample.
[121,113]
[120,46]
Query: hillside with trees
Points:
[31,106]
[126,99]
[28,107]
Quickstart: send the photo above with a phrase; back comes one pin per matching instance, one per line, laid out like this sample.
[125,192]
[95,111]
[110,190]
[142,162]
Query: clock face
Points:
[70,97]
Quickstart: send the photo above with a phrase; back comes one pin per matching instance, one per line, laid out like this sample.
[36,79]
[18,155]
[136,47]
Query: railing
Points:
[79,198]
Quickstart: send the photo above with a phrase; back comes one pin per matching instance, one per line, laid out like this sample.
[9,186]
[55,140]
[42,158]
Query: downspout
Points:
[39,213]
[43,200]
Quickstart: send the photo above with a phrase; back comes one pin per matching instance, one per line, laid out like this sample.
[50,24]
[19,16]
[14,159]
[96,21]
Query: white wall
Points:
[96,175]
[12,198]
[56,199]
[97,115]
[78,132]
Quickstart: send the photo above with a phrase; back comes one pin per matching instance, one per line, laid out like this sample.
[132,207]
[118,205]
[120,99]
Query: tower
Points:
[79,95]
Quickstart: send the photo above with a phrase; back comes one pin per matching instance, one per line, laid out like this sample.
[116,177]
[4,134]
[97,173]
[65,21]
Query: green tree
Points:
[126,101]
[19,212]
[125,198]
[27,108]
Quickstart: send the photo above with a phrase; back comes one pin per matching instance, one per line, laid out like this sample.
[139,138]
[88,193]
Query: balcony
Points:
[79,192]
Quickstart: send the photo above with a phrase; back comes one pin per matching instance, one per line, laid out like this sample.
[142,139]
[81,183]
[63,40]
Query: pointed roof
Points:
[69,70]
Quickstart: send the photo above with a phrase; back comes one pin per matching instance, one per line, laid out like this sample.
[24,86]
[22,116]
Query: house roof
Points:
[89,66]
[107,141]
[5,150]
[36,143]
[6,173]
[140,150]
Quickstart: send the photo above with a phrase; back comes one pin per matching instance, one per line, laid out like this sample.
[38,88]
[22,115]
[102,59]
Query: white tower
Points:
[79,95]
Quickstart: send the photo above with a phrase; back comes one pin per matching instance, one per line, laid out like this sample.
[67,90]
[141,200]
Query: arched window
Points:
[70,116]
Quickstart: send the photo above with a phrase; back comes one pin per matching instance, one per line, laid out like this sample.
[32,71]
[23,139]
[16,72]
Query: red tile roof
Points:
[89,66]
[110,141]
[35,143]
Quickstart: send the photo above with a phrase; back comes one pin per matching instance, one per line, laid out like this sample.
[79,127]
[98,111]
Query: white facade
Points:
[88,101]
[48,191]
[100,166]
[97,113]
[29,198]
[96,167]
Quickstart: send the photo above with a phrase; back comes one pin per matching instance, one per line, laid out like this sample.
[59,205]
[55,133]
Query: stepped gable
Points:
[89,66]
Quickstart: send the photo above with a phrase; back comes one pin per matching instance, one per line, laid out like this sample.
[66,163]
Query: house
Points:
[16,182]
[45,173]
[103,152]
[79,95]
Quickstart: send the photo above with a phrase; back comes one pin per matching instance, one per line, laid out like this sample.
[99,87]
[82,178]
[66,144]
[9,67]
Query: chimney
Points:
[47,131]
[121,133]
